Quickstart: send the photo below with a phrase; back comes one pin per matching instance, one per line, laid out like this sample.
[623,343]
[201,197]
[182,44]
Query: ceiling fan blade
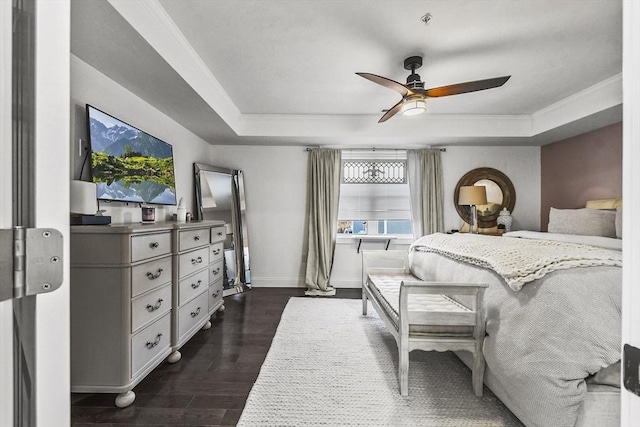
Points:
[466,87]
[392,111]
[388,83]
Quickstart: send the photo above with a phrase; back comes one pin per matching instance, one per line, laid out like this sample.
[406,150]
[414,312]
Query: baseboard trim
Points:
[277,282]
[297,282]
[347,283]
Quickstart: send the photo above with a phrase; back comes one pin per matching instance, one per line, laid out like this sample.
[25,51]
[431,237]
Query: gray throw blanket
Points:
[544,340]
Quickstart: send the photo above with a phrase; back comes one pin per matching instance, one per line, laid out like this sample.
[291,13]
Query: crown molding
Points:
[592,100]
[153,23]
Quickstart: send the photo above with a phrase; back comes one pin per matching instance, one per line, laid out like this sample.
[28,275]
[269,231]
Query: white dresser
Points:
[197,263]
[216,269]
[138,293]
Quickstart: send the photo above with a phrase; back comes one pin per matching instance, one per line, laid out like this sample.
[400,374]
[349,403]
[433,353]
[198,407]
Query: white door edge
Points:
[6,307]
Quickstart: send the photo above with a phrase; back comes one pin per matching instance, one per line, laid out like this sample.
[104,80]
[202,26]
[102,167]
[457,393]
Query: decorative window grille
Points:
[374,172]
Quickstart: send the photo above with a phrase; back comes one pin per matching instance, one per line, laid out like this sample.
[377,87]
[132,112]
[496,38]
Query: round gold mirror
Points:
[500,194]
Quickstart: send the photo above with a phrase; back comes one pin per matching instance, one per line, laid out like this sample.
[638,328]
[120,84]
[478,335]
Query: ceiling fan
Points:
[414,95]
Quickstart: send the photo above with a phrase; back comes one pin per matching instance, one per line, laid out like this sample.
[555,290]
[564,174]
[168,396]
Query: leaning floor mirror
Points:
[220,196]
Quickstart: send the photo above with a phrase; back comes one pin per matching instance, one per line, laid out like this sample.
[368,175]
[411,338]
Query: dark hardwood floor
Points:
[210,385]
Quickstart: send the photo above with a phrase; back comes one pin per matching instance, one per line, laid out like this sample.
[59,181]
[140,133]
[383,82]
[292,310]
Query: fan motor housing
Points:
[412,63]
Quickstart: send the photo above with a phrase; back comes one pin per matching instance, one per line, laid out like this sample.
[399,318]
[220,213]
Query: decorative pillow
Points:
[586,222]
[604,203]
[619,222]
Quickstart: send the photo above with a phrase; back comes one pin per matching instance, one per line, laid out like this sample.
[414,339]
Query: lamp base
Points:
[473,226]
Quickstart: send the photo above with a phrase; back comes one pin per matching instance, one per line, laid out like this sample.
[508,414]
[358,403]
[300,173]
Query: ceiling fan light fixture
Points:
[413,107]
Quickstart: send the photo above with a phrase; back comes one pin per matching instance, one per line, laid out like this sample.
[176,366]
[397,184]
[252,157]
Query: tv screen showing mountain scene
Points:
[127,164]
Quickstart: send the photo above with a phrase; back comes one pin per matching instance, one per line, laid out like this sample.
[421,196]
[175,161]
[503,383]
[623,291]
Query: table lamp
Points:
[473,195]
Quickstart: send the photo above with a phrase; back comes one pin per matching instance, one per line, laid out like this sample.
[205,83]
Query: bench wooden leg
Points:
[364,303]
[403,369]
[477,375]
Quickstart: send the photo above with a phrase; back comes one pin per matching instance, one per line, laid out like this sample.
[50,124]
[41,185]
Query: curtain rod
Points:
[376,149]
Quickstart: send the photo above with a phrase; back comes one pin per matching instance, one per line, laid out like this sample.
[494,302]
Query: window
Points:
[374,194]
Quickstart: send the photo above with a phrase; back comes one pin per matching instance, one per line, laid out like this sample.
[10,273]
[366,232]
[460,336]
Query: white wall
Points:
[89,86]
[275,184]
[275,180]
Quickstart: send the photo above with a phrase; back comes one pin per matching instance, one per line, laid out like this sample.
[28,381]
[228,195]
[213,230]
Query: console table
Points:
[373,238]
[138,293]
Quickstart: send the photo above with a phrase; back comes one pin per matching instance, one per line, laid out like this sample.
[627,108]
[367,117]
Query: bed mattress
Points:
[544,340]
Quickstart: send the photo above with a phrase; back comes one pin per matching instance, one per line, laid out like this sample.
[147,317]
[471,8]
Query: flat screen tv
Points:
[127,164]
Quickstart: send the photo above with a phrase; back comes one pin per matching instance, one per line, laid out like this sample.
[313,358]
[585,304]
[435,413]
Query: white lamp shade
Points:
[472,195]
[84,200]
[414,106]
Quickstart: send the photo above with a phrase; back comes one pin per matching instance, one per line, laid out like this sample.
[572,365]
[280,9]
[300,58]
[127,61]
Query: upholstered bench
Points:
[424,315]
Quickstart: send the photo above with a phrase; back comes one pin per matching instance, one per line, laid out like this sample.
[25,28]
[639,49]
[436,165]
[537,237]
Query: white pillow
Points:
[586,222]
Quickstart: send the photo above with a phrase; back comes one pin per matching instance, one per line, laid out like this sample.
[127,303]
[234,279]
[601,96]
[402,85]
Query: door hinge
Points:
[30,261]
[631,367]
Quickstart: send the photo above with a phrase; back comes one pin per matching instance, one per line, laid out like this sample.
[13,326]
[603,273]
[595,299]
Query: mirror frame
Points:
[503,182]
[239,225]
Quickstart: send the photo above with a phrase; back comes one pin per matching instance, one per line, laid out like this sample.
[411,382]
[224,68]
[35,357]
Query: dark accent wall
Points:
[581,168]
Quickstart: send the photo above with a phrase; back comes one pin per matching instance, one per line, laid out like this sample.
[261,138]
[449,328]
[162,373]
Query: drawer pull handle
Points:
[216,252]
[216,293]
[196,260]
[220,233]
[150,345]
[152,308]
[195,313]
[154,245]
[196,238]
[152,276]
[196,285]
[216,271]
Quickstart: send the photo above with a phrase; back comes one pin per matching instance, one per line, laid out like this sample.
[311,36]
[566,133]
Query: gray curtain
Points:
[323,193]
[426,188]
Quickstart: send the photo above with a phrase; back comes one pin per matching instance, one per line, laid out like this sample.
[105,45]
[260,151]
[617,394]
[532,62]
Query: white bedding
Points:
[544,340]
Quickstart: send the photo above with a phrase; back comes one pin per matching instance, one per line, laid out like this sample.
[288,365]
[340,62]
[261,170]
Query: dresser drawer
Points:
[193,285]
[190,239]
[216,252]
[216,270]
[150,245]
[193,261]
[148,307]
[215,294]
[193,313]
[218,234]
[150,342]
[149,275]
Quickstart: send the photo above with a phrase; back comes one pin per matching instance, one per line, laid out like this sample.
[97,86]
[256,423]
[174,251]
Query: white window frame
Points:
[373,156]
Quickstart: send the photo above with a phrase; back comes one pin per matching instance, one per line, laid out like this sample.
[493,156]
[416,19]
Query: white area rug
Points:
[330,366]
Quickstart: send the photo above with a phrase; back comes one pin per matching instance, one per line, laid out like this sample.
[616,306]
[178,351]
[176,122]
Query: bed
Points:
[552,348]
